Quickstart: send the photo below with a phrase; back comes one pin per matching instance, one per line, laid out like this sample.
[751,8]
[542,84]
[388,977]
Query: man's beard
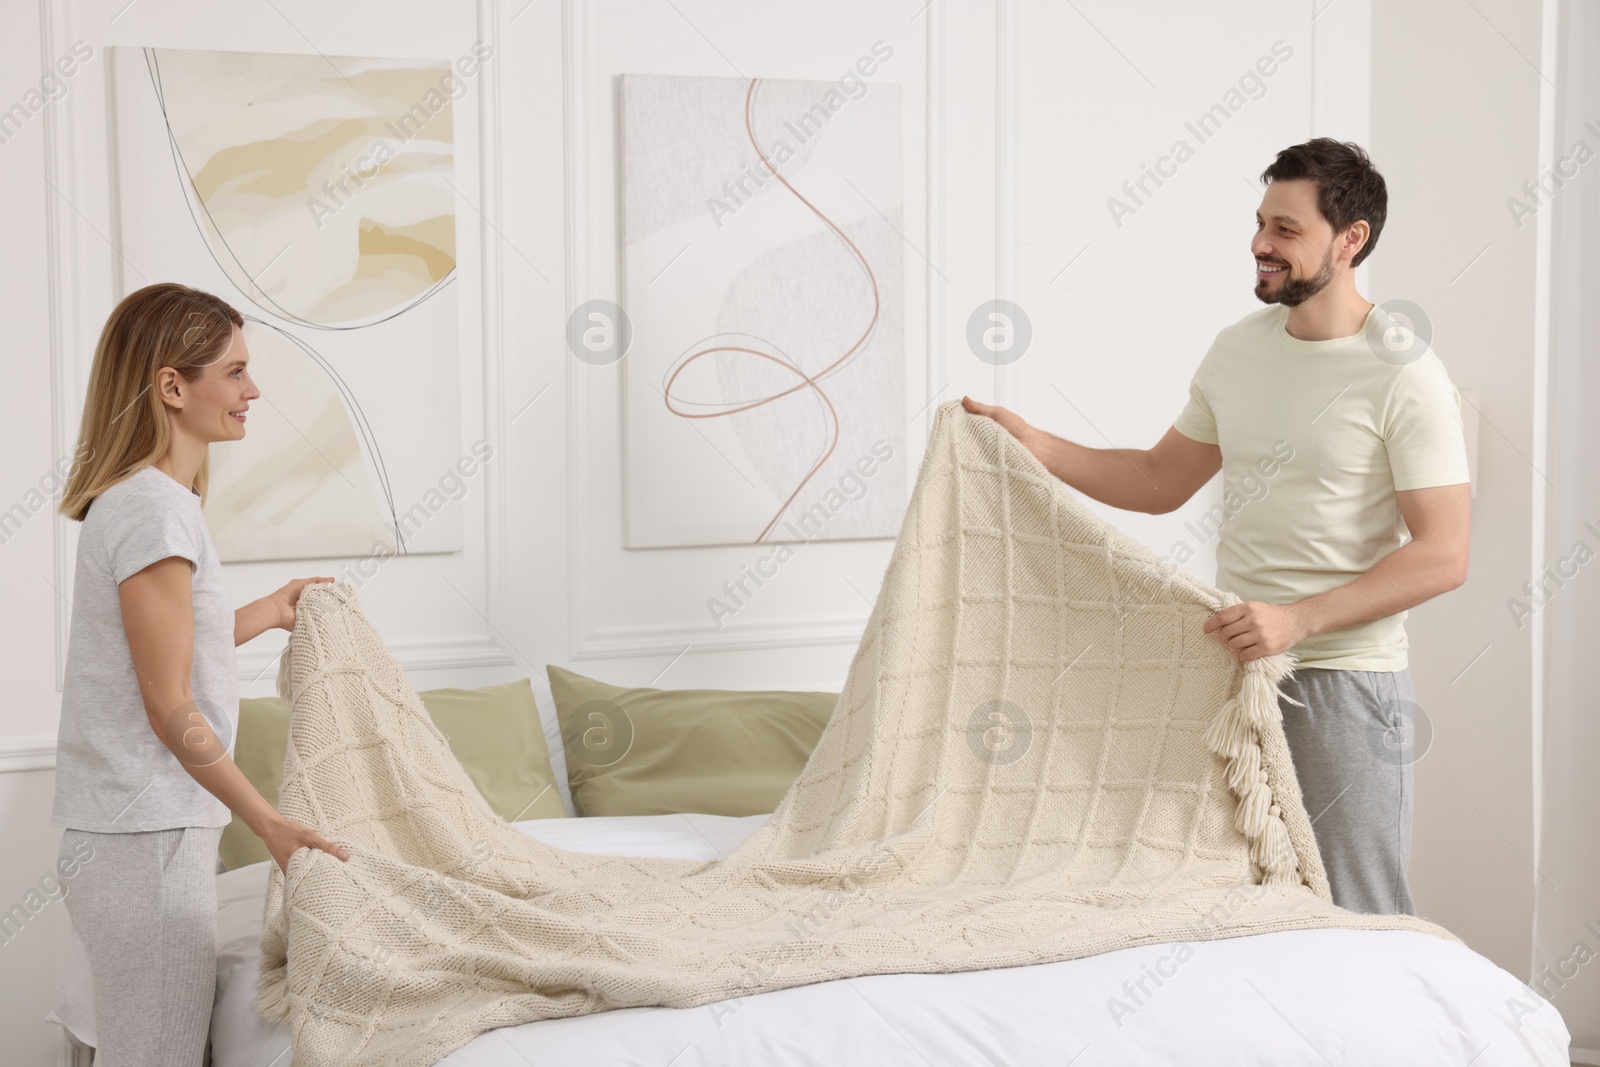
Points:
[1298,290]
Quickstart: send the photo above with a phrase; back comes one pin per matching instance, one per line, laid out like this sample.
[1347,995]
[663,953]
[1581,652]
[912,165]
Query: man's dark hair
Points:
[1349,187]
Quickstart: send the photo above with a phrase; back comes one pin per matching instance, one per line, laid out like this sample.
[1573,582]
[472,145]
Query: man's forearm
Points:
[1125,478]
[1415,572]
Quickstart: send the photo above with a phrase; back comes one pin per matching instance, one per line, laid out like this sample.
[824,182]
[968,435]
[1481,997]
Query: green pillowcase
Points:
[258,752]
[493,731]
[659,751]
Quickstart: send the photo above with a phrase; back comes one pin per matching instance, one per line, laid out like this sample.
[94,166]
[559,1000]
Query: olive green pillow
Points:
[659,751]
[258,752]
[494,731]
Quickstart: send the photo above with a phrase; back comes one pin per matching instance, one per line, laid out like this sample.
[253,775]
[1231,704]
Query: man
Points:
[1360,427]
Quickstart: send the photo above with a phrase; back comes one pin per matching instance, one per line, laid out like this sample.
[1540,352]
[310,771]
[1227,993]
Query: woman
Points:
[150,706]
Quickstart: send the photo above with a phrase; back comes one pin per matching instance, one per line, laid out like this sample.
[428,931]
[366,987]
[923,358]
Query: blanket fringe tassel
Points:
[272,992]
[1235,735]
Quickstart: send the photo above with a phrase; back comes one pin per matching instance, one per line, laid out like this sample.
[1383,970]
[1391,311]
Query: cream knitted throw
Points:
[1037,756]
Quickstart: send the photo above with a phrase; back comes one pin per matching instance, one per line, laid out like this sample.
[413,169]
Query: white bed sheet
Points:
[1315,997]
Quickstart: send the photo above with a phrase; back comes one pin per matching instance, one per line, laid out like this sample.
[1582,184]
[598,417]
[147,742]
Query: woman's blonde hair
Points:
[125,426]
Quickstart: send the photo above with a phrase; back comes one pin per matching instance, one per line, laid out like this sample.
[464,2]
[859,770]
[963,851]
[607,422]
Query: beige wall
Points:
[1455,131]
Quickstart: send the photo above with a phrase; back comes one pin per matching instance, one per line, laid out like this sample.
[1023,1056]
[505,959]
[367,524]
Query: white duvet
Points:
[1336,996]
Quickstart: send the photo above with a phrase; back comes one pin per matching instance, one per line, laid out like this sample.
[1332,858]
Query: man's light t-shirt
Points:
[1340,430]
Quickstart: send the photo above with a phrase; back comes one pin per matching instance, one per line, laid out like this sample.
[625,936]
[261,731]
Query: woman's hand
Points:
[285,836]
[285,598]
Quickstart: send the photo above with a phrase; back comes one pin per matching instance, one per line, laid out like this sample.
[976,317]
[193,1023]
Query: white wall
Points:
[1021,119]
[1566,947]
[30,961]
[1455,128]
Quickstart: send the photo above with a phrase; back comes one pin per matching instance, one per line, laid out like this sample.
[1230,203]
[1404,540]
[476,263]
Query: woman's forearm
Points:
[189,736]
[256,618]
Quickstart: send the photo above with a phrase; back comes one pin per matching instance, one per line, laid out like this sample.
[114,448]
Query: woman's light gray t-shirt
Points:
[113,774]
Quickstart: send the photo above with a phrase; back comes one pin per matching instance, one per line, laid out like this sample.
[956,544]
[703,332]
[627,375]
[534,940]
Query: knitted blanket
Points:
[1036,756]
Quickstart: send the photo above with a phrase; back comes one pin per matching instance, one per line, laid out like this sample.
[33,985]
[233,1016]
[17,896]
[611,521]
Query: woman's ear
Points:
[169,386]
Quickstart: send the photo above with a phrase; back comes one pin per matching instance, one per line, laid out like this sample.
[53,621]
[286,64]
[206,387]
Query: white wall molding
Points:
[934,62]
[28,753]
[69,280]
[617,642]
[421,654]
[1341,80]
[1007,168]
[582,581]
[492,400]
[1341,69]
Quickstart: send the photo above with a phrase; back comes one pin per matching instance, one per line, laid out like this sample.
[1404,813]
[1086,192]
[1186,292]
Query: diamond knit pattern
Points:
[1036,756]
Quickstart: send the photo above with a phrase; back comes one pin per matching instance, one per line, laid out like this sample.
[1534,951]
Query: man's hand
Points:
[1254,629]
[1009,420]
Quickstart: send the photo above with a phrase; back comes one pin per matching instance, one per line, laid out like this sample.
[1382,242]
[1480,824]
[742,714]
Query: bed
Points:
[1313,997]
[1195,743]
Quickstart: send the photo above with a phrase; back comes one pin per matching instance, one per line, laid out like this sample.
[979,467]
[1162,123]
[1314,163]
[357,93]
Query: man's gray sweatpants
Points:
[1352,754]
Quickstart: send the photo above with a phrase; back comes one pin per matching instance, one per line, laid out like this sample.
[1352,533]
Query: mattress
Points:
[1293,997]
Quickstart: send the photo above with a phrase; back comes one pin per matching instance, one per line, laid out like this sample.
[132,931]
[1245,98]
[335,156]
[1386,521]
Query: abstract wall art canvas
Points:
[764,387]
[317,195]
